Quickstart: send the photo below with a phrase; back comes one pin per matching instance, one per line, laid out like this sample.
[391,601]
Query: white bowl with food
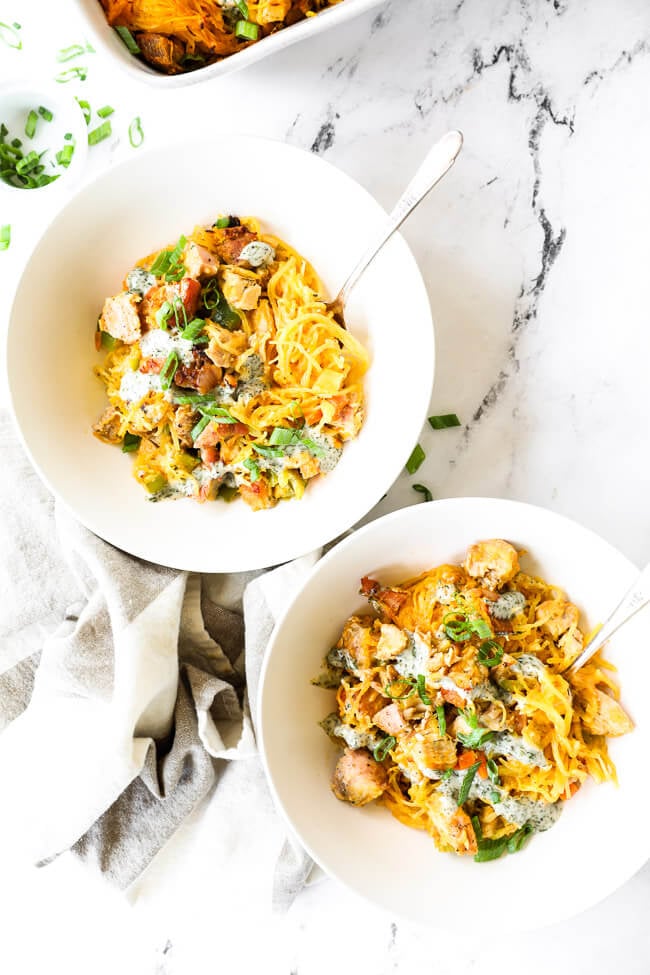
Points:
[152,43]
[418,732]
[219,372]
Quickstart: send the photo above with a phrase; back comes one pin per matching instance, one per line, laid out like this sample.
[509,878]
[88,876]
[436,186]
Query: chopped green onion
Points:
[478,832]
[68,136]
[493,771]
[105,111]
[476,737]
[382,749]
[163,314]
[242,6]
[103,131]
[26,165]
[495,796]
[136,133]
[45,113]
[444,421]
[517,840]
[169,368]
[460,627]
[282,437]
[16,143]
[415,460]
[68,53]
[422,489]
[128,39]
[482,629]
[422,690]
[72,74]
[86,109]
[193,329]
[246,30]
[200,427]
[220,310]
[5,236]
[9,36]
[271,452]
[161,264]
[402,681]
[490,653]
[130,443]
[493,849]
[30,124]
[463,795]
[222,223]
[253,467]
[442,721]
[175,267]
[64,156]
[446,775]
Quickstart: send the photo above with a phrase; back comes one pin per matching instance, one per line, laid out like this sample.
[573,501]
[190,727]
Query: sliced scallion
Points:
[193,329]
[246,30]
[64,156]
[45,113]
[222,223]
[442,721]
[105,111]
[254,468]
[103,131]
[169,368]
[136,133]
[416,459]
[85,108]
[423,489]
[493,771]
[68,53]
[9,35]
[72,74]
[5,236]
[199,428]
[444,421]
[382,749]
[463,795]
[128,39]
[422,690]
[490,653]
[30,124]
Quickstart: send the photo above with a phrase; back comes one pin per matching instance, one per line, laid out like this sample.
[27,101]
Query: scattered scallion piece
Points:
[45,113]
[68,53]
[86,109]
[220,310]
[128,39]
[476,737]
[193,329]
[175,267]
[493,849]
[72,74]
[490,653]
[407,682]
[246,30]
[222,223]
[130,443]
[200,427]
[9,35]
[271,452]
[242,7]
[5,236]
[16,143]
[460,626]
[30,124]
[423,489]
[103,131]
[253,467]
[169,368]
[463,795]
[163,314]
[136,133]
[493,771]
[442,721]
[415,460]
[444,421]
[105,111]
[64,156]
[422,690]
[382,749]
[68,136]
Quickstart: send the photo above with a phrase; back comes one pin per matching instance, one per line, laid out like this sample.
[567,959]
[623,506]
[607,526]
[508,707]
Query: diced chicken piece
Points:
[391,642]
[226,360]
[215,432]
[609,718]
[494,561]
[557,616]
[273,11]
[433,752]
[183,423]
[571,644]
[257,495]
[455,831]
[200,374]
[308,465]
[359,640]
[161,51]
[390,720]
[120,317]
[240,291]
[108,426]
[230,242]
[358,778]
[199,262]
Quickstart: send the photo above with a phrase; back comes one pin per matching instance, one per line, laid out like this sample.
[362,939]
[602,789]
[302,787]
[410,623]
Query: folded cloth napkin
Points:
[124,686]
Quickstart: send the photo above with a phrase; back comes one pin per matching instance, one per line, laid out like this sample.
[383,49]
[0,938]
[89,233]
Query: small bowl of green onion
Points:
[43,138]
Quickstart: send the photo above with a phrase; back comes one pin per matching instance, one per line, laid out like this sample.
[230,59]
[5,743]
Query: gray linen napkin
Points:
[124,686]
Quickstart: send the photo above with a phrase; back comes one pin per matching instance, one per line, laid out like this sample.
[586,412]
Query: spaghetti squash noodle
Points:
[225,372]
[454,708]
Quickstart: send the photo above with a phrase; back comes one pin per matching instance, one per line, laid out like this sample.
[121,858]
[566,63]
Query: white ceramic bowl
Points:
[107,41]
[143,205]
[598,842]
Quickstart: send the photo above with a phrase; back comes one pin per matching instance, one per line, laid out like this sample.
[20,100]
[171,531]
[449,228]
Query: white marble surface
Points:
[535,253]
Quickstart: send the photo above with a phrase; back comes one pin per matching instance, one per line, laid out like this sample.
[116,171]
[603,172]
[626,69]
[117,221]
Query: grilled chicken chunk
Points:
[358,778]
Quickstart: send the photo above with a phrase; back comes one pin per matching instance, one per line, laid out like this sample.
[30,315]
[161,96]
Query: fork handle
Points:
[635,599]
[437,162]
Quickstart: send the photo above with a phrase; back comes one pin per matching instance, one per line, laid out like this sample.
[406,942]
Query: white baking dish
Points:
[109,42]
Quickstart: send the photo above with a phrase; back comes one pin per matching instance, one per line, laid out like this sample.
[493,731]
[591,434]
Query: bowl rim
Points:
[89,187]
[112,47]
[259,705]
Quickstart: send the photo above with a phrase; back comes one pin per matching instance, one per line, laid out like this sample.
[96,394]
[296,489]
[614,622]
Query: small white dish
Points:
[16,102]
[599,840]
[142,205]
[110,44]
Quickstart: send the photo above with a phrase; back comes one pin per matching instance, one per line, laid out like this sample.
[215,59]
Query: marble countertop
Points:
[534,252]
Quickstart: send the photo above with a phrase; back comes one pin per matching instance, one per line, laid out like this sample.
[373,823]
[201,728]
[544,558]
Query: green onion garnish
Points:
[28,163]
[407,682]
[242,6]
[103,131]
[64,156]
[423,489]
[16,143]
[9,36]
[446,775]
[477,736]
[490,653]
[85,108]
[192,331]
[45,113]
[222,223]
[493,849]
[253,467]
[169,368]
[161,264]
[444,421]
[442,721]
[5,236]
[130,443]
[246,30]
[72,74]
[30,124]
[382,749]
[282,437]
[68,53]
[200,427]
[463,795]
[415,460]
[422,690]
[136,133]
[460,627]
[493,771]
[163,314]
[68,136]
[172,262]
[220,310]
[271,452]
[105,111]
[128,39]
